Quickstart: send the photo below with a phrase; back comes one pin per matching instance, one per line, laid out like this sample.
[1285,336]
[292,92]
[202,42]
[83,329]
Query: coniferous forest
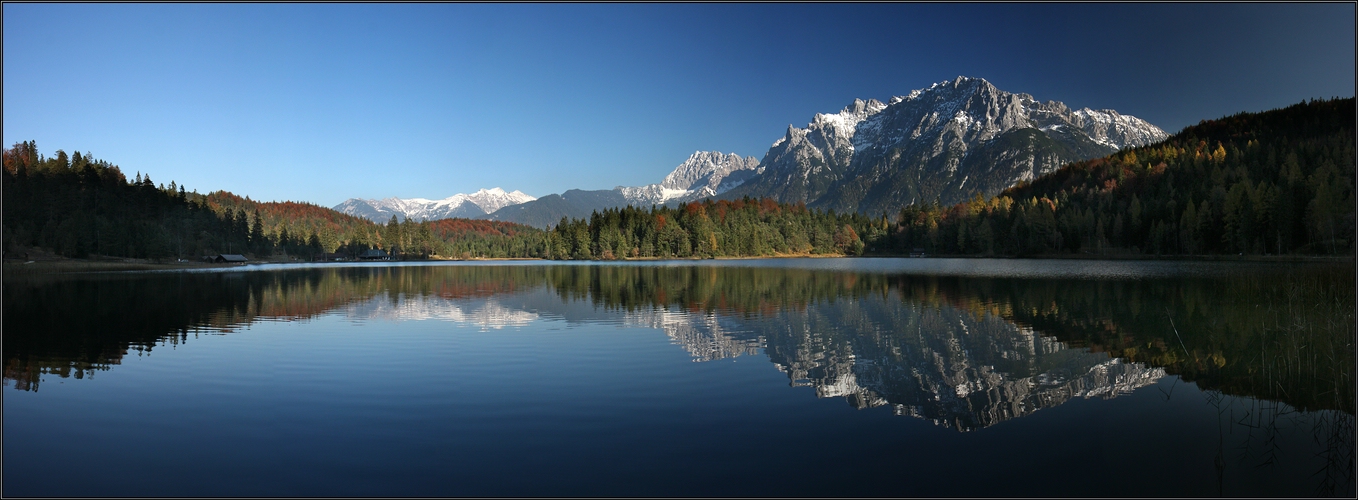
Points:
[79,206]
[1279,182]
[744,227]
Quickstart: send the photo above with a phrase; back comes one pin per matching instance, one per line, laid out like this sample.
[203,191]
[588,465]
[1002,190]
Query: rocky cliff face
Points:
[946,142]
[806,162]
[703,174]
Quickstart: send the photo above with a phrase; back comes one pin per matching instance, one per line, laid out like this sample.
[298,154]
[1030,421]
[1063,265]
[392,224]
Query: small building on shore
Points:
[228,258]
[374,254]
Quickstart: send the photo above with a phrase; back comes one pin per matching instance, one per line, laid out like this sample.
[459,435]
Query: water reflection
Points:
[964,352]
[488,314]
[951,366]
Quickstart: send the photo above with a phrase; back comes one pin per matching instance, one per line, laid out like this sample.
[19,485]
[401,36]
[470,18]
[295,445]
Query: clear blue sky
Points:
[324,102]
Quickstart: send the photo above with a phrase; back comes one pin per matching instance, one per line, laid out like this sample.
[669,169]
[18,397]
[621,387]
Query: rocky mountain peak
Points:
[922,145]
[706,169]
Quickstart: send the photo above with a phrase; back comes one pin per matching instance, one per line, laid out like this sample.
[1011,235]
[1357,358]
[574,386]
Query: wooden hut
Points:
[374,254]
[229,258]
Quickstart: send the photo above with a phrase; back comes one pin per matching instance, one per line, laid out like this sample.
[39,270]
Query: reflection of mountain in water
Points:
[953,367]
[966,352]
[933,362]
[707,336]
[487,313]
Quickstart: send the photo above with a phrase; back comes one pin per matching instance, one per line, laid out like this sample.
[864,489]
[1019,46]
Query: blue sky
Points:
[324,102]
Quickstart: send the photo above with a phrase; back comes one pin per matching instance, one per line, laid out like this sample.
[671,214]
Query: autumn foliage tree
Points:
[78,206]
[1277,182]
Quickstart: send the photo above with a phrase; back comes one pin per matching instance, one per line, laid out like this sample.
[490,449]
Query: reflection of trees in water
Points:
[77,324]
[962,352]
[1287,337]
[1284,337]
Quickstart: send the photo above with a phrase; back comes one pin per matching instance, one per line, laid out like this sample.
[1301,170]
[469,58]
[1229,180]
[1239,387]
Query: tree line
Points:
[79,206]
[1276,182]
[705,229]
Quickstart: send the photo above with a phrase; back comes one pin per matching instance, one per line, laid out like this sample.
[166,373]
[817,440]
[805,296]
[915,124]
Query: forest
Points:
[80,207]
[706,229]
[1278,182]
[1271,183]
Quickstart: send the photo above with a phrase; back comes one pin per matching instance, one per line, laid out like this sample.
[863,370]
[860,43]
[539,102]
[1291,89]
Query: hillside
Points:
[1276,182]
[78,206]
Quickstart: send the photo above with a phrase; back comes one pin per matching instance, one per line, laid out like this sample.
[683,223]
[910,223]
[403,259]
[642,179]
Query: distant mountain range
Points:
[704,174]
[947,142]
[466,206]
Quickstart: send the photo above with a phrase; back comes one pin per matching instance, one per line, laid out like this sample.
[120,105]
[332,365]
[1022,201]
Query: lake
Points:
[779,377]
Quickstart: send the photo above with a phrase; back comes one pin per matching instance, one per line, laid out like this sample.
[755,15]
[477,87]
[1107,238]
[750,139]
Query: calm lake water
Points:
[801,377]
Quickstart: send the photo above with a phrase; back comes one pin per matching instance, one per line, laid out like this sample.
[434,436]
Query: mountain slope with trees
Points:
[79,206]
[1276,182]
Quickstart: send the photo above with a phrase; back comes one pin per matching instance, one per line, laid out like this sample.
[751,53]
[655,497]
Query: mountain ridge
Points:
[946,143]
[703,174]
[872,157]
[467,206]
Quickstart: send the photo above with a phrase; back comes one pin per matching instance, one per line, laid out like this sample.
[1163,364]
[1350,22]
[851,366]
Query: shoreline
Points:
[60,265]
[1189,258]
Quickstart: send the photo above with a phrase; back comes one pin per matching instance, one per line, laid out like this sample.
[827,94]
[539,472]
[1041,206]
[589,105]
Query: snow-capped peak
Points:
[846,121]
[481,202]
[704,173]
[495,198]
[702,166]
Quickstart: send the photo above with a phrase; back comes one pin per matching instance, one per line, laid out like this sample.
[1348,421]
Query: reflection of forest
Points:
[75,325]
[965,352]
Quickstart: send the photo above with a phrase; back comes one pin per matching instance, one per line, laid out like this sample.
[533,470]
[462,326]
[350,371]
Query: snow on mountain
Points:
[703,174]
[459,205]
[1116,130]
[946,142]
[494,199]
[968,111]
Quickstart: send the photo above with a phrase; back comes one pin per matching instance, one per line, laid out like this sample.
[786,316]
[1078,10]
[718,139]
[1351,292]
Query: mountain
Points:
[466,206]
[702,175]
[946,142]
[1275,182]
[548,210]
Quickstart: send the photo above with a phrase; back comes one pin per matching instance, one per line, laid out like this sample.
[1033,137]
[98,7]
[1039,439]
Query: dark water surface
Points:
[801,377]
